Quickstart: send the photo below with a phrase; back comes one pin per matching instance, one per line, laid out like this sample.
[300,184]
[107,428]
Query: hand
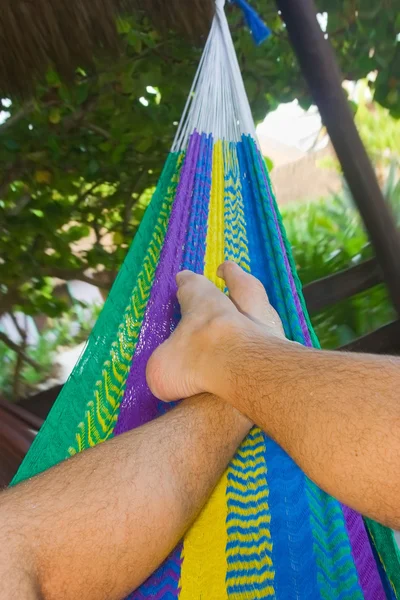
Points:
[191,361]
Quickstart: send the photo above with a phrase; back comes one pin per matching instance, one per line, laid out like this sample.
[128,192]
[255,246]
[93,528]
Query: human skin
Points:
[336,414]
[97,525]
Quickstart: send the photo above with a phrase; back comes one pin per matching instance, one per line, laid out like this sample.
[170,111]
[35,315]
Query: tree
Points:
[78,160]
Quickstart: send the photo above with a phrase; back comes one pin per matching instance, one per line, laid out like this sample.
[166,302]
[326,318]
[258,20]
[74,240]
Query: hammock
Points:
[267,530]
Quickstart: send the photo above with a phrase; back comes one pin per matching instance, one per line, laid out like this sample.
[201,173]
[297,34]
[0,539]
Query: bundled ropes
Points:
[267,531]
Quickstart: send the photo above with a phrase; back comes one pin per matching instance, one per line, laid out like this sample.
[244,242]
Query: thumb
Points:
[194,290]
[248,294]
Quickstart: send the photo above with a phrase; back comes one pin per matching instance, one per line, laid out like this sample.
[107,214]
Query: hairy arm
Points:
[337,415]
[99,524]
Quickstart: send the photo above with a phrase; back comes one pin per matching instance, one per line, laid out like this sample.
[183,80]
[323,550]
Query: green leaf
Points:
[135,41]
[52,78]
[144,145]
[65,94]
[93,166]
[118,238]
[105,146]
[353,106]
[127,82]
[55,116]
[117,153]
[269,163]
[82,92]
[123,25]
[37,213]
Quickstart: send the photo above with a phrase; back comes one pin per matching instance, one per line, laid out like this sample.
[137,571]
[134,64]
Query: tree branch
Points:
[19,350]
[20,114]
[75,119]
[21,331]
[11,173]
[103,280]
[99,130]
[8,300]
[20,358]
[82,197]
[129,204]
[23,112]
[99,280]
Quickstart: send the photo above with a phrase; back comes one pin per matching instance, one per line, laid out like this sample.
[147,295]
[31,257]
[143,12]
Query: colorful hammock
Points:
[267,531]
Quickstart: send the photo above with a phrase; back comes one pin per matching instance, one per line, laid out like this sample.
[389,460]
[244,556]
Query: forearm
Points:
[130,499]
[337,415]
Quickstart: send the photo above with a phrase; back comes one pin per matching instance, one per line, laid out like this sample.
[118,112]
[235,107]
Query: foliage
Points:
[379,132]
[327,236]
[364,35]
[77,160]
[67,331]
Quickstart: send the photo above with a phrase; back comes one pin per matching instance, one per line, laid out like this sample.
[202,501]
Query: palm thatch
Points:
[69,33]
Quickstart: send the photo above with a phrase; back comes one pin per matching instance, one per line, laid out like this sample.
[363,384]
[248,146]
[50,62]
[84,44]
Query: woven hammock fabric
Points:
[267,531]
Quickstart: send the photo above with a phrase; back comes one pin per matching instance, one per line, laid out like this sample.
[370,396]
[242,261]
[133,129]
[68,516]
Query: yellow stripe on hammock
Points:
[204,564]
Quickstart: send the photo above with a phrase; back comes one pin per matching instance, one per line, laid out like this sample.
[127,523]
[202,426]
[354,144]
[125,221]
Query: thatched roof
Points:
[69,33]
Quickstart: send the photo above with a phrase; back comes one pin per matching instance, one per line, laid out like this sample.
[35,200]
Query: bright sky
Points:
[5,103]
[289,124]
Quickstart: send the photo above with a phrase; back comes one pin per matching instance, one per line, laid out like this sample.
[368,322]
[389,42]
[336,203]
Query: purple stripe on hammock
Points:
[164,582]
[368,573]
[139,406]
[184,237]
[364,560]
[195,243]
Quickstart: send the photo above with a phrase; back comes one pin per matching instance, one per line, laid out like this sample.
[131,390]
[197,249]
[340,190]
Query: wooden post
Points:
[319,66]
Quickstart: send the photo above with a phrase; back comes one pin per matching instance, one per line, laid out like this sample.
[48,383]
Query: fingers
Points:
[248,294]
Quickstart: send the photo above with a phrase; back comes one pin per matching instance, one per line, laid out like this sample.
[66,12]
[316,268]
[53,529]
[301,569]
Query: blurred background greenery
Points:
[328,236]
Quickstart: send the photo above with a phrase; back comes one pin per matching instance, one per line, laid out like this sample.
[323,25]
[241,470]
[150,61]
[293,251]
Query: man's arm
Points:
[337,415]
[99,524]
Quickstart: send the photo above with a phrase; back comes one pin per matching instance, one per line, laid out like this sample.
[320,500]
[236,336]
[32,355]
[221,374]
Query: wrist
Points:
[244,356]
[225,342]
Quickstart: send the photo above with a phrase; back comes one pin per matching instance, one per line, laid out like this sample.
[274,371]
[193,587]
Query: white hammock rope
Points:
[217,102]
